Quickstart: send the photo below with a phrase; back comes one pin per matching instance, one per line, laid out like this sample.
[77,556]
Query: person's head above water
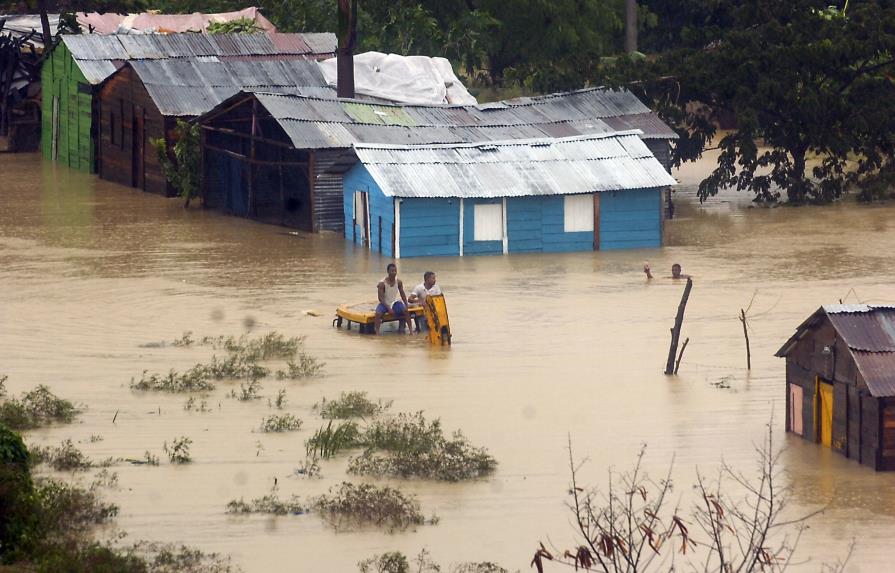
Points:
[429,279]
[675,271]
[392,270]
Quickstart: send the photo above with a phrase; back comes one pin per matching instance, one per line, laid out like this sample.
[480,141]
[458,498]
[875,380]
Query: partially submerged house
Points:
[142,102]
[580,193]
[79,63]
[293,142]
[840,382]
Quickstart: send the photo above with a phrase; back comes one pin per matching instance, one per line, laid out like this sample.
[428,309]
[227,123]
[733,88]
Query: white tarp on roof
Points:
[403,79]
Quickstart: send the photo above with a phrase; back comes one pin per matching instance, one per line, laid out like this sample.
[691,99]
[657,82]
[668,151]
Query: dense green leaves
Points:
[184,171]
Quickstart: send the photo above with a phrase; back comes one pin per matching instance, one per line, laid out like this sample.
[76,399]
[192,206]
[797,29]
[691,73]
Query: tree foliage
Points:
[184,171]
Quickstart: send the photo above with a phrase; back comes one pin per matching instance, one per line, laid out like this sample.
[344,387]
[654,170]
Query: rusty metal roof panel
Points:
[584,164]
[869,331]
[878,371]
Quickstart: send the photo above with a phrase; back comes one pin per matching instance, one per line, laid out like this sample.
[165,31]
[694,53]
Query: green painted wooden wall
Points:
[64,83]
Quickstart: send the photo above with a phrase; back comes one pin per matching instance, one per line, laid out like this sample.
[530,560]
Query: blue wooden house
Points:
[581,193]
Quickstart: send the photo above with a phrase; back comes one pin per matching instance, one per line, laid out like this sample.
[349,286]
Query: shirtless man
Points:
[390,290]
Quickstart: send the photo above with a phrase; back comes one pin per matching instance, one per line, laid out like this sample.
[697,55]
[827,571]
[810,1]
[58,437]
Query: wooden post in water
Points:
[676,331]
[746,334]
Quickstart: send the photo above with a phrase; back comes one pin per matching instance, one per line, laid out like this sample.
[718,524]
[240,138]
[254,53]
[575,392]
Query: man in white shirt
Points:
[420,292]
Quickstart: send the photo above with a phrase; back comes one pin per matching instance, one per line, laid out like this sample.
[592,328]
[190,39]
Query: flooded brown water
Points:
[545,347]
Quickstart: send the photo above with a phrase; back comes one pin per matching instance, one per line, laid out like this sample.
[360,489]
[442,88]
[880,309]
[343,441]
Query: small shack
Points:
[579,193]
[840,382]
[313,134]
[143,100]
[79,63]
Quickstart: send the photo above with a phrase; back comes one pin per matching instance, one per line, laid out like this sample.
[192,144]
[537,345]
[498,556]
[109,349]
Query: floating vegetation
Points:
[179,452]
[309,468]
[366,504]
[327,441]
[94,438]
[65,457]
[414,447]
[194,405]
[352,405]
[280,401]
[193,380]
[270,504]
[280,423]
[185,340]
[306,367]
[36,408]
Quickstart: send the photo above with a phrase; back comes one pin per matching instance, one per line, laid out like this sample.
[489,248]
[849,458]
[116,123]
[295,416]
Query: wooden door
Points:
[825,412]
[138,168]
[795,409]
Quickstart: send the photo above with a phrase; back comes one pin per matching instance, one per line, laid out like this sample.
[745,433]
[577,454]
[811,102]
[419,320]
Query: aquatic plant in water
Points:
[281,423]
[36,408]
[351,405]
[351,504]
[306,367]
[270,504]
[65,457]
[327,441]
[179,452]
[193,380]
[407,445]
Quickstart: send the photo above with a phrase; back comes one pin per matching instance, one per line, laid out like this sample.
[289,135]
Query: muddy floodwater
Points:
[546,347]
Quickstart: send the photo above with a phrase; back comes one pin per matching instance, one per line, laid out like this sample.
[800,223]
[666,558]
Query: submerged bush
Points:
[179,452]
[397,562]
[306,367]
[270,346]
[16,487]
[36,408]
[270,504]
[367,504]
[65,457]
[416,448]
[351,405]
[280,423]
[193,380]
[328,440]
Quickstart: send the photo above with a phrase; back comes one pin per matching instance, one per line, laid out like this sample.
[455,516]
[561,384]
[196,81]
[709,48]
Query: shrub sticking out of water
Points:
[179,451]
[279,401]
[272,345]
[414,447]
[194,405]
[351,405]
[270,504]
[367,504]
[185,340]
[64,509]
[306,367]
[248,391]
[3,379]
[173,558]
[65,457]
[309,468]
[280,423]
[36,408]
[397,562]
[329,440]
[193,380]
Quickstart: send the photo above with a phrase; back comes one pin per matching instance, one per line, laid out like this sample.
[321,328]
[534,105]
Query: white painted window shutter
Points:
[578,213]
[488,220]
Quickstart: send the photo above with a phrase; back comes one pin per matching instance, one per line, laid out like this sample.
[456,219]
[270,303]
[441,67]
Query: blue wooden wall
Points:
[382,210]
[630,219]
[536,225]
[430,227]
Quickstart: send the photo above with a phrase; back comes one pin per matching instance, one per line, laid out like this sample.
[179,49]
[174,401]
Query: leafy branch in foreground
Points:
[632,527]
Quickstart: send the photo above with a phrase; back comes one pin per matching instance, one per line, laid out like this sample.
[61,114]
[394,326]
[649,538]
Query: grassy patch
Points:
[270,504]
[36,408]
[408,446]
[366,504]
[270,346]
[194,405]
[351,405]
[193,380]
[305,367]
[280,423]
[330,440]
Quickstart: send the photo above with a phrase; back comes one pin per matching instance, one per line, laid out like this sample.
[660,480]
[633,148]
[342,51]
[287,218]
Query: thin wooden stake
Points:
[115,417]
[680,355]
[746,334]
[676,331]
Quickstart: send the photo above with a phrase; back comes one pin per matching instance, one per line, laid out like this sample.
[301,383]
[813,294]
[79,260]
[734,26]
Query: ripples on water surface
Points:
[546,346]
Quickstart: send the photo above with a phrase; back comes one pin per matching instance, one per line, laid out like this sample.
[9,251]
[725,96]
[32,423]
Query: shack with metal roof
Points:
[840,382]
[600,191]
[142,102]
[78,64]
[315,136]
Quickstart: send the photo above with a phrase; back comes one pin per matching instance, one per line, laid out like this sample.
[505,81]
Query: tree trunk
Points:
[45,24]
[676,331]
[345,50]
[798,190]
[630,26]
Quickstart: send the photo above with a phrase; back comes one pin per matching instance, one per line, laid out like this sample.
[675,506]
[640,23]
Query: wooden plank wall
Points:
[121,99]
[62,81]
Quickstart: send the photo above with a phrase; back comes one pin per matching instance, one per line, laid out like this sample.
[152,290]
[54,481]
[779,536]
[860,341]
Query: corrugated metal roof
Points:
[121,47]
[186,87]
[870,331]
[878,371]
[582,164]
[381,123]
